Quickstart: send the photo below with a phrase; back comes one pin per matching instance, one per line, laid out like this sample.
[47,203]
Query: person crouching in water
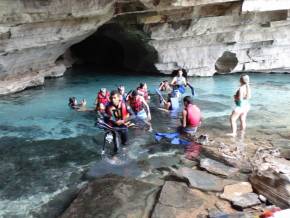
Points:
[143,91]
[191,116]
[118,113]
[103,97]
[140,108]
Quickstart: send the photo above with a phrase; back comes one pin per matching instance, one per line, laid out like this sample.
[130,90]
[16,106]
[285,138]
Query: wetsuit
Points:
[118,113]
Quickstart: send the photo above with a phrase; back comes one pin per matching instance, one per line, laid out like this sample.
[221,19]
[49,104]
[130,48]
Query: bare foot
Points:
[231,134]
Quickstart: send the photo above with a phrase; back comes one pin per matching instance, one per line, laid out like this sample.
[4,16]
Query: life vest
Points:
[118,113]
[103,99]
[136,104]
[144,93]
[193,115]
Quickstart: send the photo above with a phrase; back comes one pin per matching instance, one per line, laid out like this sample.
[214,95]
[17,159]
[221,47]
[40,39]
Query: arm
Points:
[147,108]
[184,114]
[173,81]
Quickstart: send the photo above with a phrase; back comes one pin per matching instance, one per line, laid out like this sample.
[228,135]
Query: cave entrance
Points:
[114,48]
[226,63]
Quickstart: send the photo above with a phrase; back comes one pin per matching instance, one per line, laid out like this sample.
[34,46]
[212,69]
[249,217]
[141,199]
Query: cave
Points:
[226,63]
[114,48]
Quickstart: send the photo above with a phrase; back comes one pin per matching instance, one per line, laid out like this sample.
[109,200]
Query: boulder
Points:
[217,168]
[246,200]
[202,180]
[113,196]
[236,190]
[177,200]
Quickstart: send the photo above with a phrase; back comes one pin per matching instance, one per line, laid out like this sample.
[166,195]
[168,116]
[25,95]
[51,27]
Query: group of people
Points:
[117,108]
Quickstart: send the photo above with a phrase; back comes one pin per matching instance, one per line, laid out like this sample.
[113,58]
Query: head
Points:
[245,79]
[83,102]
[103,91]
[180,72]
[187,100]
[143,86]
[72,101]
[101,107]
[134,94]
[165,82]
[115,97]
[121,89]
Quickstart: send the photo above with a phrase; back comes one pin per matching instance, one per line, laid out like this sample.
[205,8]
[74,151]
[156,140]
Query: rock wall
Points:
[202,36]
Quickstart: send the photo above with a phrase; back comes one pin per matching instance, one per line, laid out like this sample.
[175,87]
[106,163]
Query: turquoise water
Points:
[45,146]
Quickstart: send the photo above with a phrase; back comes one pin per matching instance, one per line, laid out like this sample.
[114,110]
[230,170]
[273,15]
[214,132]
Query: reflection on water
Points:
[45,147]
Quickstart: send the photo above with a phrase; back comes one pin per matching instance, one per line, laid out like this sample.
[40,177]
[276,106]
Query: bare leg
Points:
[243,118]
[233,121]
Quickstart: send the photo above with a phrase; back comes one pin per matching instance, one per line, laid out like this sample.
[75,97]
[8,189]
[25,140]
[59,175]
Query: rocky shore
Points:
[223,181]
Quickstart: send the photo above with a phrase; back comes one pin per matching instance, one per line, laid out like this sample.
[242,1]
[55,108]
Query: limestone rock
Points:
[246,200]
[177,200]
[202,180]
[217,168]
[236,190]
[113,196]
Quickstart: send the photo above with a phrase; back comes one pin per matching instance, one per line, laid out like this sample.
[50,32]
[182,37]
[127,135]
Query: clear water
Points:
[45,146]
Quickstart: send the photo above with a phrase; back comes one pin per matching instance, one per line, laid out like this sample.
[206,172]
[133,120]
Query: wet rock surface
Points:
[114,196]
[202,180]
[217,168]
[177,200]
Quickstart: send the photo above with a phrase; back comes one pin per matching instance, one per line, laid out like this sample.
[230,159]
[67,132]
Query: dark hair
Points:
[71,101]
[141,85]
[175,72]
[134,93]
[188,100]
[114,92]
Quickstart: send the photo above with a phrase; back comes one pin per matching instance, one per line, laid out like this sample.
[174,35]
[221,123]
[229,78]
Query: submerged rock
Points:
[202,180]
[218,168]
[177,200]
[113,196]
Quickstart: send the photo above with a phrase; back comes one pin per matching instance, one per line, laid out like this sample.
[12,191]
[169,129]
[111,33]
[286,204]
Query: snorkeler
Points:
[143,91]
[242,108]
[191,116]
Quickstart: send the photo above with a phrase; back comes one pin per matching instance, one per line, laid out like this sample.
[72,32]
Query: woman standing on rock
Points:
[242,108]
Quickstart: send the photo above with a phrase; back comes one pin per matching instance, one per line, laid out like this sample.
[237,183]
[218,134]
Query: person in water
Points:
[73,103]
[179,80]
[139,106]
[122,92]
[191,116]
[143,91]
[242,106]
[118,113]
[103,97]
[165,86]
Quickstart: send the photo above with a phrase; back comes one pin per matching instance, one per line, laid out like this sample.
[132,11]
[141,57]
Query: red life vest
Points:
[103,99]
[119,113]
[193,115]
[143,92]
[136,104]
